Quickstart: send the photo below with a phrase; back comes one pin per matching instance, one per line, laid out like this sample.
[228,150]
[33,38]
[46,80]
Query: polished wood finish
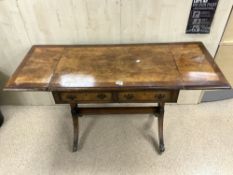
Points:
[83,97]
[114,96]
[36,70]
[160,113]
[147,96]
[117,110]
[75,115]
[132,73]
[154,66]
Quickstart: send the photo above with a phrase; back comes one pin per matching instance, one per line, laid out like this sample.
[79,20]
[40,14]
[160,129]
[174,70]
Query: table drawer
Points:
[147,96]
[82,97]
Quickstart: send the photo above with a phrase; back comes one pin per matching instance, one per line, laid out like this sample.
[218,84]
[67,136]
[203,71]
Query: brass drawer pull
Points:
[101,96]
[129,96]
[160,96]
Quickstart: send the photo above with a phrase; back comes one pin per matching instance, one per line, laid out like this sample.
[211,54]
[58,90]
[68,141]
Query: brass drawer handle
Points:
[129,96]
[160,96]
[71,97]
[101,96]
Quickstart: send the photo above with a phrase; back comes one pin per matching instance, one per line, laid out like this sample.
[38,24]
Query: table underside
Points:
[74,98]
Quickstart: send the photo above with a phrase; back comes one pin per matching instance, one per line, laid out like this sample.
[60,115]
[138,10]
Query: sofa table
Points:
[129,73]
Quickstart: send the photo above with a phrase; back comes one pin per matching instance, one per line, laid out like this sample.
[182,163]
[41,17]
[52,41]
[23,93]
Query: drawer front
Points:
[147,96]
[82,97]
[126,96]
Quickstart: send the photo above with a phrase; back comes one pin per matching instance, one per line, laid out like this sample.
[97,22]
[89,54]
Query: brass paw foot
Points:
[75,147]
[161,148]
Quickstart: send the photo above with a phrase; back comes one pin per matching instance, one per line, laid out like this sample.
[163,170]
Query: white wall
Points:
[224,56]
[27,22]
[227,38]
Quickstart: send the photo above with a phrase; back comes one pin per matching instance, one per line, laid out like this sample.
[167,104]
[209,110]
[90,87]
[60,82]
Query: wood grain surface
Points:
[154,66]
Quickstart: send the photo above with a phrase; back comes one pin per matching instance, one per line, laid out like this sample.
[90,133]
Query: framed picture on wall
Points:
[201,16]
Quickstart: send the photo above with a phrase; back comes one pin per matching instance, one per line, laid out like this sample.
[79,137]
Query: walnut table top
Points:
[159,66]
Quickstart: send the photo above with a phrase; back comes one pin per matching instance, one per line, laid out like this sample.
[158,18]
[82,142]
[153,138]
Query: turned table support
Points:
[159,112]
[75,115]
[1,119]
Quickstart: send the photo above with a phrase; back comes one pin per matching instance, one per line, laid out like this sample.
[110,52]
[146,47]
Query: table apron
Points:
[123,96]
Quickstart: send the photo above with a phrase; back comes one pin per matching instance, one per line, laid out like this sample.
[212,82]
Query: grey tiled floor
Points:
[38,139]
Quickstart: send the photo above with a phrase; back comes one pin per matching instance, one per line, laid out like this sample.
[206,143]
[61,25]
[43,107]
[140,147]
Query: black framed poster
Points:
[201,16]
